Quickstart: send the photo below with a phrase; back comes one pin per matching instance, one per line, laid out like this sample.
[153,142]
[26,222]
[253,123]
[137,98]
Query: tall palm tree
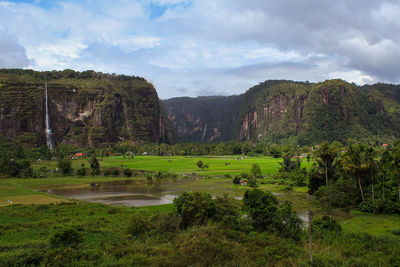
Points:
[326,158]
[358,163]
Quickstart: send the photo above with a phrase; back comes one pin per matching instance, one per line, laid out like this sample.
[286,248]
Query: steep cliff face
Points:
[207,119]
[277,110]
[86,108]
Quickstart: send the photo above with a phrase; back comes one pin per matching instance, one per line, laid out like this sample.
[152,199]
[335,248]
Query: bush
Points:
[256,171]
[81,172]
[66,236]
[194,208]
[325,225]
[65,166]
[127,172]
[262,208]
[236,180]
[165,224]
[140,223]
[115,172]
[252,182]
[94,165]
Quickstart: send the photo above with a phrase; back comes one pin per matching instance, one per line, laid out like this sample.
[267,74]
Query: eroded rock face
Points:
[275,110]
[206,119]
[87,112]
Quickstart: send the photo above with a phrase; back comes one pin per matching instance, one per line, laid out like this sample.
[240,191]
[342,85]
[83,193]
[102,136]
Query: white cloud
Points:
[207,45]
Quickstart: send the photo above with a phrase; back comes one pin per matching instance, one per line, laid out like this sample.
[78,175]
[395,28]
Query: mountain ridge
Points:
[277,110]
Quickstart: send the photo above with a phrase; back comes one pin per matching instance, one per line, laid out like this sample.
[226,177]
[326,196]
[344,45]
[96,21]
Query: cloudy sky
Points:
[206,47]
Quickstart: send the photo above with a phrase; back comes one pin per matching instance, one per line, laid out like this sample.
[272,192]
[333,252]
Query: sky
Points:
[206,47]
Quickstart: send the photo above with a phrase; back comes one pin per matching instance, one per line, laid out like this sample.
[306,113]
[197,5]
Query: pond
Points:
[137,193]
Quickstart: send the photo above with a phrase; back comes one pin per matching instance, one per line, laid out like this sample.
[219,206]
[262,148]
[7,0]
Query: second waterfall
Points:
[49,137]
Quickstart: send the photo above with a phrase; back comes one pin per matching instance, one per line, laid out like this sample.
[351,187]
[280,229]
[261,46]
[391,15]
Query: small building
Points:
[79,155]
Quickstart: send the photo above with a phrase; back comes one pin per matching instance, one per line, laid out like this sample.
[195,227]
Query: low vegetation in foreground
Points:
[355,184]
[198,231]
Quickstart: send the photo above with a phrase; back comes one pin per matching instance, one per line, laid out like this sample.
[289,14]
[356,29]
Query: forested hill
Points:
[279,110]
[84,108]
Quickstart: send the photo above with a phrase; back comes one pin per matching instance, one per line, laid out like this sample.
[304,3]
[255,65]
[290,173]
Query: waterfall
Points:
[49,139]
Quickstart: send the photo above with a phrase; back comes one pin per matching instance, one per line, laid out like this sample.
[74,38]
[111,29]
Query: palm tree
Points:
[326,158]
[359,163]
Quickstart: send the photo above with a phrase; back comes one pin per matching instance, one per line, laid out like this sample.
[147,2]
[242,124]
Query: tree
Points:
[199,164]
[326,158]
[194,208]
[262,208]
[266,214]
[256,171]
[127,172]
[65,166]
[288,164]
[356,163]
[94,165]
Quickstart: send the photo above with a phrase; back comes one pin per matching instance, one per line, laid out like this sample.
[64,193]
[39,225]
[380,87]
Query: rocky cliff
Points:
[278,110]
[204,118]
[85,108]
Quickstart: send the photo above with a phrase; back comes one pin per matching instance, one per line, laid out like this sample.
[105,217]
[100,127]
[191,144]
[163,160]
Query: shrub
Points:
[94,165]
[256,171]
[115,172]
[66,236]
[252,182]
[127,172]
[81,172]
[236,180]
[165,224]
[325,225]
[194,208]
[65,166]
[140,223]
[262,208]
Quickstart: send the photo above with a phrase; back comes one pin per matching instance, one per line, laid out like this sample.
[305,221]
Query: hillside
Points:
[278,110]
[85,108]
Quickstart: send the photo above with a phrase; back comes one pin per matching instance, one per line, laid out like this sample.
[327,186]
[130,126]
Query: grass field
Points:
[183,165]
[25,191]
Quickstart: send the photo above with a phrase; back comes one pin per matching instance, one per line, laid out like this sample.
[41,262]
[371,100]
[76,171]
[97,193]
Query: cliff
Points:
[85,108]
[203,118]
[278,110]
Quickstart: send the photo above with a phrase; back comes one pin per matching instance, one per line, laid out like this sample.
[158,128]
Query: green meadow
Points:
[218,165]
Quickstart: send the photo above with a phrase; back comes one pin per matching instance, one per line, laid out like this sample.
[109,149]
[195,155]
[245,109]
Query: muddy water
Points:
[126,192]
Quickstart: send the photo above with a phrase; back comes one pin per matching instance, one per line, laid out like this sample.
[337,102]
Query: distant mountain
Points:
[277,110]
[85,108]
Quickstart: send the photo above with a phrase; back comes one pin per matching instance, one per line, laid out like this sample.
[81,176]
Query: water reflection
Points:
[124,192]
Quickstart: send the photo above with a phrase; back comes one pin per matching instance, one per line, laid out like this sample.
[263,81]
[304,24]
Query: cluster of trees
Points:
[65,74]
[357,175]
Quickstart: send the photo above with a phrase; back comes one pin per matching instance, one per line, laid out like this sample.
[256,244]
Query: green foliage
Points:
[140,223]
[236,180]
[288,163]
[81,171]
[67,235]
[200,164]
[325,226]
[267,214]
[127,172]
[65,166]
[252,181]
[256,171]
[262,208]
[94,165]
[194,208]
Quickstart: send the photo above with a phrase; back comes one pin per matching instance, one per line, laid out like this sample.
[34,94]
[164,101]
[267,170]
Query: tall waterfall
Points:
[49,139]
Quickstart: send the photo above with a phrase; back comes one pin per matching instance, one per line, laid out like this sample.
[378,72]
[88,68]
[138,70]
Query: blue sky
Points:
[206,47]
